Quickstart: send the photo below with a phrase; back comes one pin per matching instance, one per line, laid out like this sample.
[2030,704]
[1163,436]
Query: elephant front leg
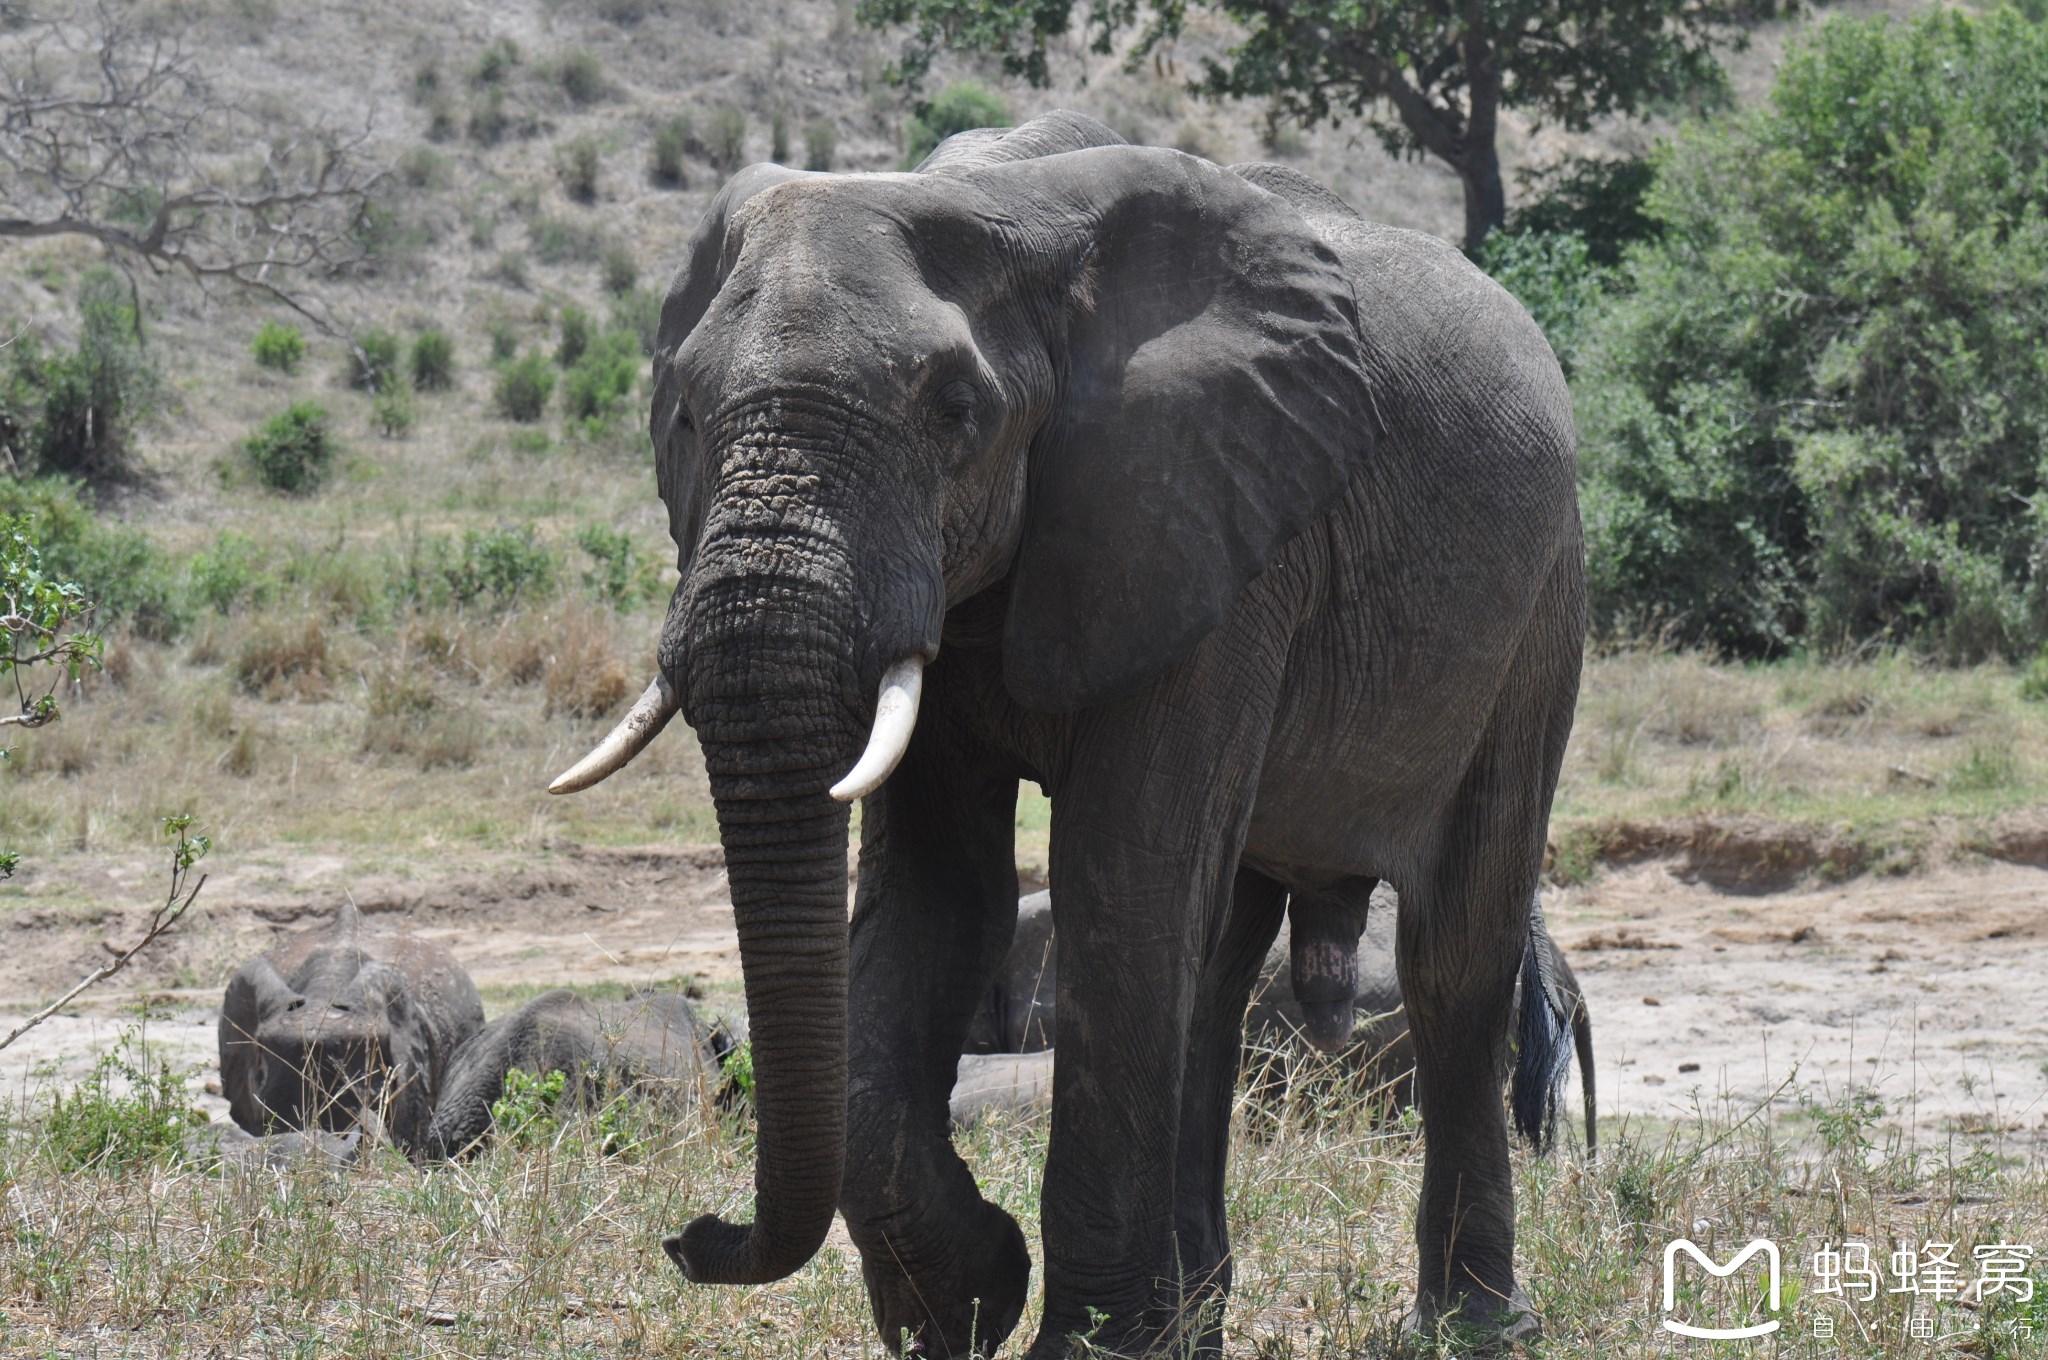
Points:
[934,912]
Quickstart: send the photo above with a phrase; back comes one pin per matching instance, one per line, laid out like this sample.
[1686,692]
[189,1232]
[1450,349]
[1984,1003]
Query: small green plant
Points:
[278,346]
[497,63]
[422,167]
[1986,769]
[575,335]
[963,105]
[293,450]
[601,378]
[504,337]
[373,360]
[639,314]
[525,1112]
[557,240]
[523,388]
[131,1110]
[577,163]
[672,140]
[394,412]
[621,270]
[728,135]
[48,624]
[821,143]
[581,76]
[739,1068]
[496,566]
[617,570]
[228,575]
[488,121]
[2034,679]
[433,361]
[778,138]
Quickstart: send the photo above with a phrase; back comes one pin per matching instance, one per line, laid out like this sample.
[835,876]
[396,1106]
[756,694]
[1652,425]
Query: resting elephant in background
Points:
[650,1041]
[1245,528]
[344,1026]
[1332,981]
[1329,981]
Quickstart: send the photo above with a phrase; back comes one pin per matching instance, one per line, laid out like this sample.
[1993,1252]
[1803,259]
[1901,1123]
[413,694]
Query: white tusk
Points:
[895,719]
[649,714]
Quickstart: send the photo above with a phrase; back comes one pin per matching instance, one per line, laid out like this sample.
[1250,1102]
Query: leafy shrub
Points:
[499,564]
[963,105]
[728,136]
[821,143]
[621,270]
[1599,201]
[496,64]
[577,162]
[433,361]
[639,313]
[510,270]
[373,361]
[523,388]
[121,570]
[556,240]
[575,335]
[229,574]
[1553,275]
[75,413]
[601,379]
[581,76]
[504,338]
[618,573]
[422,167]
[394,412]
[131,1110]
[524,1114]
[278,346]
[292,451]
[778,138]
[672,141]
[1817,413]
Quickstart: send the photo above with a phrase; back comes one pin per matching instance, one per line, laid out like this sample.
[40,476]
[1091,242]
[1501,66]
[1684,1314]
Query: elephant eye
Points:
[955,403]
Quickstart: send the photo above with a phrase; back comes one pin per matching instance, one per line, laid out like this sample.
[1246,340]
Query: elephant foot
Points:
[1475,1323]
[970,1308]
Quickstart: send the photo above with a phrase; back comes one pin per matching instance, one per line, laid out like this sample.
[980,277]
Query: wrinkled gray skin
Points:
[344,1026]
[1329,981]
[653,1041]
[1244,527]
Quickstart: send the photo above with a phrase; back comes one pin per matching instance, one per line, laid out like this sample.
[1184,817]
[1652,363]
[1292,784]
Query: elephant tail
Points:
[1543,1047]
[1582,1039]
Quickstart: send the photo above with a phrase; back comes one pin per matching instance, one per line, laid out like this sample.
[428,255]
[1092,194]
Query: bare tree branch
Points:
[119,137]
[188,851]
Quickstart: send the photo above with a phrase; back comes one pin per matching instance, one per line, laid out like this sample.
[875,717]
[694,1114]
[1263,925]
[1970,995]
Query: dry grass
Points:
[548,1245]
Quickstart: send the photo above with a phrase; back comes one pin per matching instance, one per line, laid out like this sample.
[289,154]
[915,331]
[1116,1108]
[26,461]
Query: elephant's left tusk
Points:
[642,723]
[895,720]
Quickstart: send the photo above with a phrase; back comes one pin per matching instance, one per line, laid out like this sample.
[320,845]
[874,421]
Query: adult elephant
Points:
[1244,527]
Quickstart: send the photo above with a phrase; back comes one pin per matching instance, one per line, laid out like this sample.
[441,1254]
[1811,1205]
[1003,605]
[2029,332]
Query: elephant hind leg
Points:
[1208,1089]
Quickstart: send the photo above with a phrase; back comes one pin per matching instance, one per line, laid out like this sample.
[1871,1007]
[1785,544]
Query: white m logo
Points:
[1769,1251]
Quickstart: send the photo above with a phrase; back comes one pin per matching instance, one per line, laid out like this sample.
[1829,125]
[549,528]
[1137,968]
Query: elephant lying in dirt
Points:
[651,1043]
[344,1026]
[1329,981]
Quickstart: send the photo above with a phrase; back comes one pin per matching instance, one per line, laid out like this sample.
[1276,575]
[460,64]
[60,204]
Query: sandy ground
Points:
[1926,989]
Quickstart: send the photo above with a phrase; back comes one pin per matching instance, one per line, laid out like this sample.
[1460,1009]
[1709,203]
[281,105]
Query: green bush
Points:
[621,270]
[778,138]
[672,141]
[1553,275]
[728,133]
[373,360]
[75,412]
[557,240]
[821,143]
[963,105]
[496,64]
[581,76]
[639,312]
[293,450]
[488,120]
[496,566]
[394,412]
[504,337]
[433,361]
[619,571]
[576,331]
[131,1110]
[523,388]
[278,346]
[232,573]
[123,572]
[525,1113]
[577,162]
[1817,413]
[599,382]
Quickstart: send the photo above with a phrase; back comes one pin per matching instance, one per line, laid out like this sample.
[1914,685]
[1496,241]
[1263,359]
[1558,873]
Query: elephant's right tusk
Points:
[649,714]
[895,720]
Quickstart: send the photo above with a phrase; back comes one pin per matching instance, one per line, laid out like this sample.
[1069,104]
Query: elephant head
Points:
[1096,387]
[343,1027]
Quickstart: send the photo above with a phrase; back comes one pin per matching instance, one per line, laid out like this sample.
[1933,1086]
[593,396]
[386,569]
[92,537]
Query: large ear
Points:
[255,993]
[690,293]
[1049,134]
[1213,404]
